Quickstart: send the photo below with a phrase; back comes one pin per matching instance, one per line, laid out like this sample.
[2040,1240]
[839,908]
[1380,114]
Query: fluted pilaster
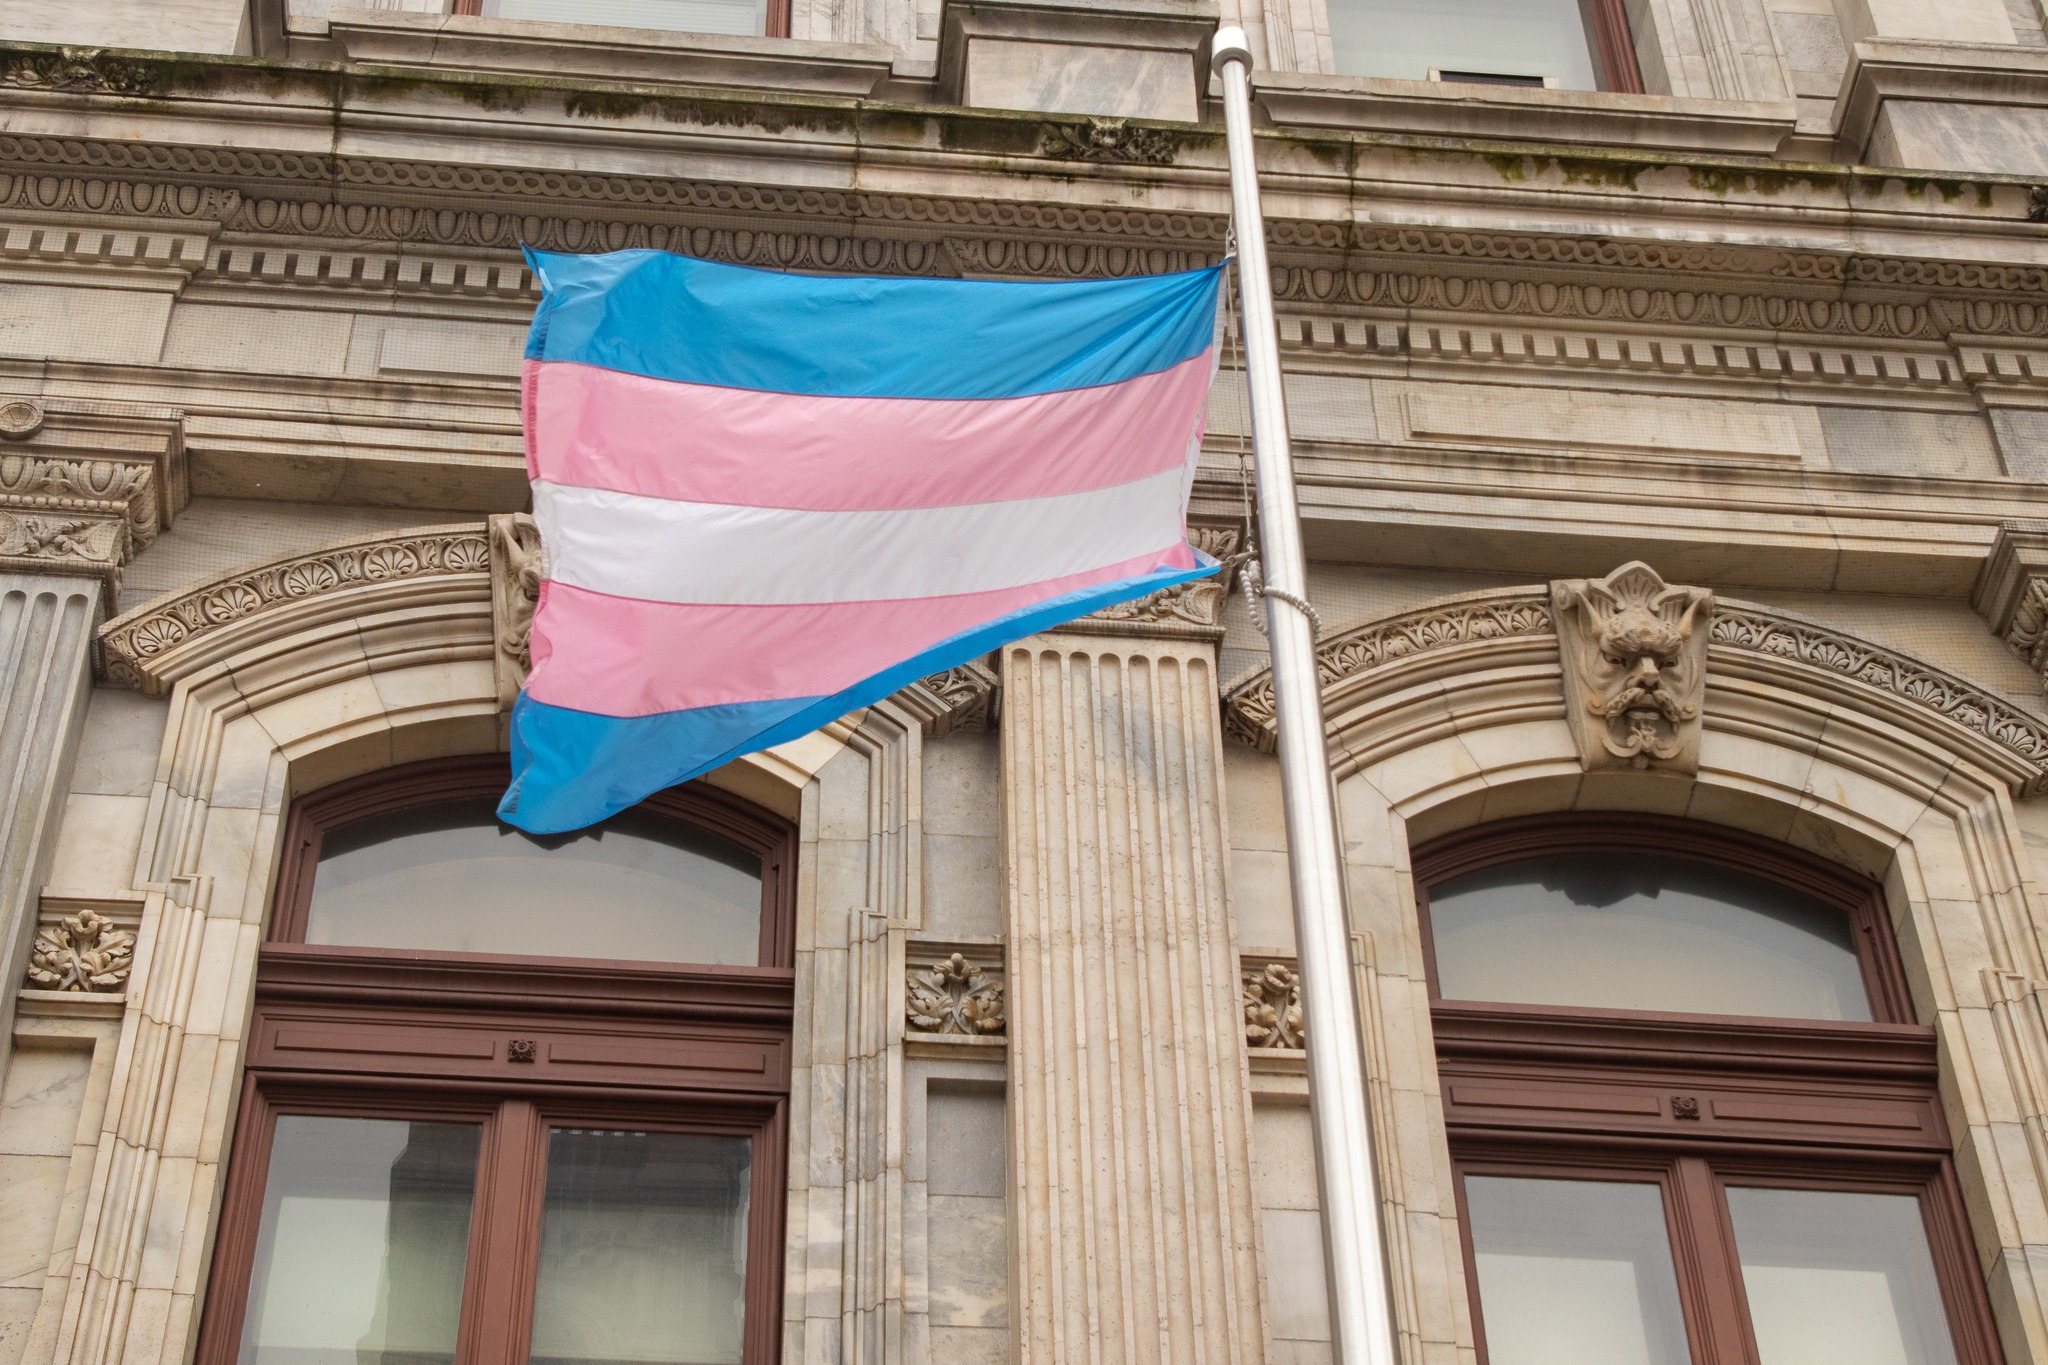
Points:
[1132,1210]
[46,624]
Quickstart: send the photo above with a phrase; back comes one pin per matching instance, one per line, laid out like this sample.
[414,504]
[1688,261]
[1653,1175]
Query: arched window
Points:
[1692,1119]
[511,1098]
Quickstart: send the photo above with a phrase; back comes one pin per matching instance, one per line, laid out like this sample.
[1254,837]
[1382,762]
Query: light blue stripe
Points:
[573,768]
[673,317]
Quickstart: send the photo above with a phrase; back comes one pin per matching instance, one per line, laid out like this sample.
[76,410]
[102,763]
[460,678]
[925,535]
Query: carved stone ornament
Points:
[82,952]
[1188,610]
[517,567]
[1272,1005]
[953,996]
[1107,140]
[1248,713]
[144,648]
[1634,654]
[20,419]
[966,700]
[84,486]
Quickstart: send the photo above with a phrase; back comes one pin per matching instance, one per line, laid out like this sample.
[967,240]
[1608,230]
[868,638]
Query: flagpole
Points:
[1361,1320]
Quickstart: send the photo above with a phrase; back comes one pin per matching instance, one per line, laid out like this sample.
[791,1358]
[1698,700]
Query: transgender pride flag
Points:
[766,500]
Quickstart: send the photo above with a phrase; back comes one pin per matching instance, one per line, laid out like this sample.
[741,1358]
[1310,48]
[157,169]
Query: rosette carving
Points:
[1272,1005]
[81,952]
[953,996]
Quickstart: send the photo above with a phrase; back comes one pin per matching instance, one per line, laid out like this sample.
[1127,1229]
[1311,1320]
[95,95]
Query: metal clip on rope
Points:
[1256,587]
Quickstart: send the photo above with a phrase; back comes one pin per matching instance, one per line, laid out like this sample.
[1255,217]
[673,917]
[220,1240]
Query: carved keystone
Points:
[1634,654]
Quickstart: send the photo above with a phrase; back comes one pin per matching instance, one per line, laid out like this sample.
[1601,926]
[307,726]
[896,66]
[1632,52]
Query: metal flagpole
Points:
[1361,1320]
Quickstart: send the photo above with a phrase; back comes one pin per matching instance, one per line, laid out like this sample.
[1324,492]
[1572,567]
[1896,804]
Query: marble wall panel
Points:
[175,25]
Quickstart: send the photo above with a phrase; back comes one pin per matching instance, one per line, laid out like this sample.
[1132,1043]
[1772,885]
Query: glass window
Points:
[1839,1278]
[1408,39]
[363,1243]
[1639,931]
[452,878]
[643,1249]
[689,16]
[1574,1272]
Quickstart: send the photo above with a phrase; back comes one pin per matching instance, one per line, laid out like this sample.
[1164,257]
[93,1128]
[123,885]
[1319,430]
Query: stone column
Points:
[46,625]
[1132,1211]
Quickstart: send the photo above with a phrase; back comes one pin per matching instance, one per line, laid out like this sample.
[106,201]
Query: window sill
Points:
[1520,114]
[652,56]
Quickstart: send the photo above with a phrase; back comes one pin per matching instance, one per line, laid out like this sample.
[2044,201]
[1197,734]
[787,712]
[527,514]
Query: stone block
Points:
[963,785]
[970,1268]
[1120,59]
[1949,445]
[262,340]
[43,1097]
[963,885]
[1953,21]
[965,1143]
[31,1193]
[50,322]
[1568,421]
[1297,1293]
[172,25]
[117,752]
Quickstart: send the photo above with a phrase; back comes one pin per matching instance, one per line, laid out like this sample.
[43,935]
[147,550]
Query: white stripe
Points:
[662,550]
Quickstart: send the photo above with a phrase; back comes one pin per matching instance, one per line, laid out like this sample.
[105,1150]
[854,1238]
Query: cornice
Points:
[1463,635]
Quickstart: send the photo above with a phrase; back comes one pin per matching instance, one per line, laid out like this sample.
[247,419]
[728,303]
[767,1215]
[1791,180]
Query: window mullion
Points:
[1709,1272]
[498,1302]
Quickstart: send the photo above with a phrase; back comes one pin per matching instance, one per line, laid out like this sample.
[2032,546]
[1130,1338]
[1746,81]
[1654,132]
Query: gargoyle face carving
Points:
[1640,647]
[1634,655]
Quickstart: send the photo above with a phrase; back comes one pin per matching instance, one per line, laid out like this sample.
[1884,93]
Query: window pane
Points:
[689,16]
[452,878]
[1574,1272]
[365,1234]
[643,1249]
[1634,931]
[1835,1278]
[1406,38]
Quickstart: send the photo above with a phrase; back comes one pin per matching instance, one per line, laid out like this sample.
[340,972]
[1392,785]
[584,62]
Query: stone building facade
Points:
[1674,461]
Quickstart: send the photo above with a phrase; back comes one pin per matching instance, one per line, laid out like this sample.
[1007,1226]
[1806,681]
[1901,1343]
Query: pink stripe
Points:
[598,428]
[624,657]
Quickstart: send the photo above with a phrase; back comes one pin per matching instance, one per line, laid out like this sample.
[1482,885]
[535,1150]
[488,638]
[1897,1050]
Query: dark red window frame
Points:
[516,1044]
[1614,46]
[1698,1102]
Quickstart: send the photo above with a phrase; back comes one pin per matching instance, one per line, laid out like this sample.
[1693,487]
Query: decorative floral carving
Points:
[1107,139]
[1634,651]
[1187,607]
[954,996]
[81,952]
[1272,1005]
[129,643]
[971,696]
[2028,633]
[82,490]
[1959,701]
[1248,714]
